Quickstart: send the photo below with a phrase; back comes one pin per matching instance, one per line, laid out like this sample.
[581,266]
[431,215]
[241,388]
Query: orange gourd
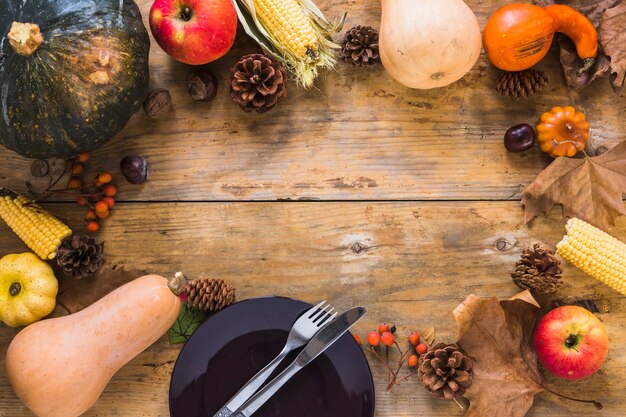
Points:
[562,131]
[518,36]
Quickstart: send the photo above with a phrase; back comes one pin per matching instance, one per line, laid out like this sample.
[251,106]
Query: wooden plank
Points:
[358,135]
[408,263]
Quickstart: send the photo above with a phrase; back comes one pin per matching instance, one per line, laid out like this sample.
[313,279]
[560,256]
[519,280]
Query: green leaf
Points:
[188,321]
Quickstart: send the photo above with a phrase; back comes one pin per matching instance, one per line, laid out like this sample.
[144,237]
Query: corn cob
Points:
[286,21]
[40,230]
[295,32]
[596,253]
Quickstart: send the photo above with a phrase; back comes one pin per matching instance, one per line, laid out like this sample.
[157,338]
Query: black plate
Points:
[236,343]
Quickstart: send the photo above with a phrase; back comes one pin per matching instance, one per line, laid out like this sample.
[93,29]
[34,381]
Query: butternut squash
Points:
[59,367]
[428,43]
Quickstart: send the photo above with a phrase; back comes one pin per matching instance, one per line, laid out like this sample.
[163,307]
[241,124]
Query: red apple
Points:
[194,31]
[571,342]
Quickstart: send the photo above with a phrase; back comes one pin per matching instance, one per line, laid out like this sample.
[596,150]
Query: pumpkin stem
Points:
[25,38]
[15,289]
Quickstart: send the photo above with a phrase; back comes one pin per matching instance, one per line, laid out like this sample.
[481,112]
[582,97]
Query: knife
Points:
[324,339]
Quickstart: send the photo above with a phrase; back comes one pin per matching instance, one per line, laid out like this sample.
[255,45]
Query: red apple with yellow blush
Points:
[194,31]
[571,342]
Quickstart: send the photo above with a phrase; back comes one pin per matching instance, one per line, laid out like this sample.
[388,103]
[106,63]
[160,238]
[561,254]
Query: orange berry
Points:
[110,190]
[84,156]
[93,226]
[103,215]
[421,348]
[75,183]
[82,201]
[78,169]
[414,338]
[102,207]
[387,338]
[110,201]
[384,327]
[105,177]
[373,339]
[91,215]
[357,338]
[413,360]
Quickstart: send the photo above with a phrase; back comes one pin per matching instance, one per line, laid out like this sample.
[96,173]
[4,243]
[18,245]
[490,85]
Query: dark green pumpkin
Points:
[78,87]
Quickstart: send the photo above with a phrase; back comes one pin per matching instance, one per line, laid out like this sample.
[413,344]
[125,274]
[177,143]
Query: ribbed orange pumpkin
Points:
[562,131]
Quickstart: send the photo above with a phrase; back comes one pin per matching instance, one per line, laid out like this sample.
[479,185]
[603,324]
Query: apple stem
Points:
[186,14]
[597,404]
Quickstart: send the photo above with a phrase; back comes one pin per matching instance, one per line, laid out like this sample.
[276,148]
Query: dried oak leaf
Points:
[613,41]
[570,62]
[591,188]
[497,335]
[77,294]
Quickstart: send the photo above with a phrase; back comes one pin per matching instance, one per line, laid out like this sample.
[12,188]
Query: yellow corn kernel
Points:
[286,21]
[596,253]
[40,230]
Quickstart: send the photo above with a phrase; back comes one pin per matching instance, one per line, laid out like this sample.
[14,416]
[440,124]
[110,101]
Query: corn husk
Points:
[304,70]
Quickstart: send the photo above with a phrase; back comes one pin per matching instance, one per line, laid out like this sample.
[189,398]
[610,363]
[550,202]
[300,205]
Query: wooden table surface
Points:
[360,192]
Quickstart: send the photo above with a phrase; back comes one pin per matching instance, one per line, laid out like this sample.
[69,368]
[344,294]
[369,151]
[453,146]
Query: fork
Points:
[301,332]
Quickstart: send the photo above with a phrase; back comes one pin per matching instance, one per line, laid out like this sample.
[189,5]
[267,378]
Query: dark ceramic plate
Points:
[236,343]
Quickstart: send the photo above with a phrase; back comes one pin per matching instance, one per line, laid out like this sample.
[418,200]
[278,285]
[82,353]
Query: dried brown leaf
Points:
[613,40]
[590,189]
[498,337]
[570,62]
[76,294]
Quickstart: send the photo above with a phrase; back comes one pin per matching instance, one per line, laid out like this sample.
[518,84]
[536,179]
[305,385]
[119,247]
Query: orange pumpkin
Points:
[518,36]
[562,131]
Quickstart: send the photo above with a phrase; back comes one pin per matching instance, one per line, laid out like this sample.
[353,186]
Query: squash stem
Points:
[25,38]
[587,64]
[177,284]
[15,289]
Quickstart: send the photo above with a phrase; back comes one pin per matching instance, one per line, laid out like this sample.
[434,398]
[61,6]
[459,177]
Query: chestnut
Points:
[520,138]
[135,169]
[202,85]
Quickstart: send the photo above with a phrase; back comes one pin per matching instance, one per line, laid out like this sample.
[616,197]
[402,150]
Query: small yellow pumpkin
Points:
[562,131]
[28,289]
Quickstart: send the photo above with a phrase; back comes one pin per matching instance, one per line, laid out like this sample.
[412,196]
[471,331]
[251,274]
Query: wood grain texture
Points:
[408,263]
[358,135]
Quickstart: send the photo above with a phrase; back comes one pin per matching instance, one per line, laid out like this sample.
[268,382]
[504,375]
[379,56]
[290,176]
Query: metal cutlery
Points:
[325,338]
[307,325]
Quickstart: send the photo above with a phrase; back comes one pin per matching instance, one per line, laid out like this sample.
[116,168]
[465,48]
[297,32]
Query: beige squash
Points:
[59,367]
[428,43]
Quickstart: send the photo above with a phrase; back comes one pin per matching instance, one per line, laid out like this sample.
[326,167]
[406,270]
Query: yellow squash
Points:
[28,289]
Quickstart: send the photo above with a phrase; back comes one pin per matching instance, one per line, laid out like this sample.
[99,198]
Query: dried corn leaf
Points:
[305,70]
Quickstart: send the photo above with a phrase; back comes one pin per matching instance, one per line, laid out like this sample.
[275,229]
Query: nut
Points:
[158,103]
[202,85]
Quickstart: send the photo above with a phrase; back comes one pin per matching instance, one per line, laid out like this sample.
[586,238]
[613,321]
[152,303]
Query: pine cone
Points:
[445,371]
[80,256]
[257,83]
[523,84]
[360,46]
[209,295]
[538,270]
